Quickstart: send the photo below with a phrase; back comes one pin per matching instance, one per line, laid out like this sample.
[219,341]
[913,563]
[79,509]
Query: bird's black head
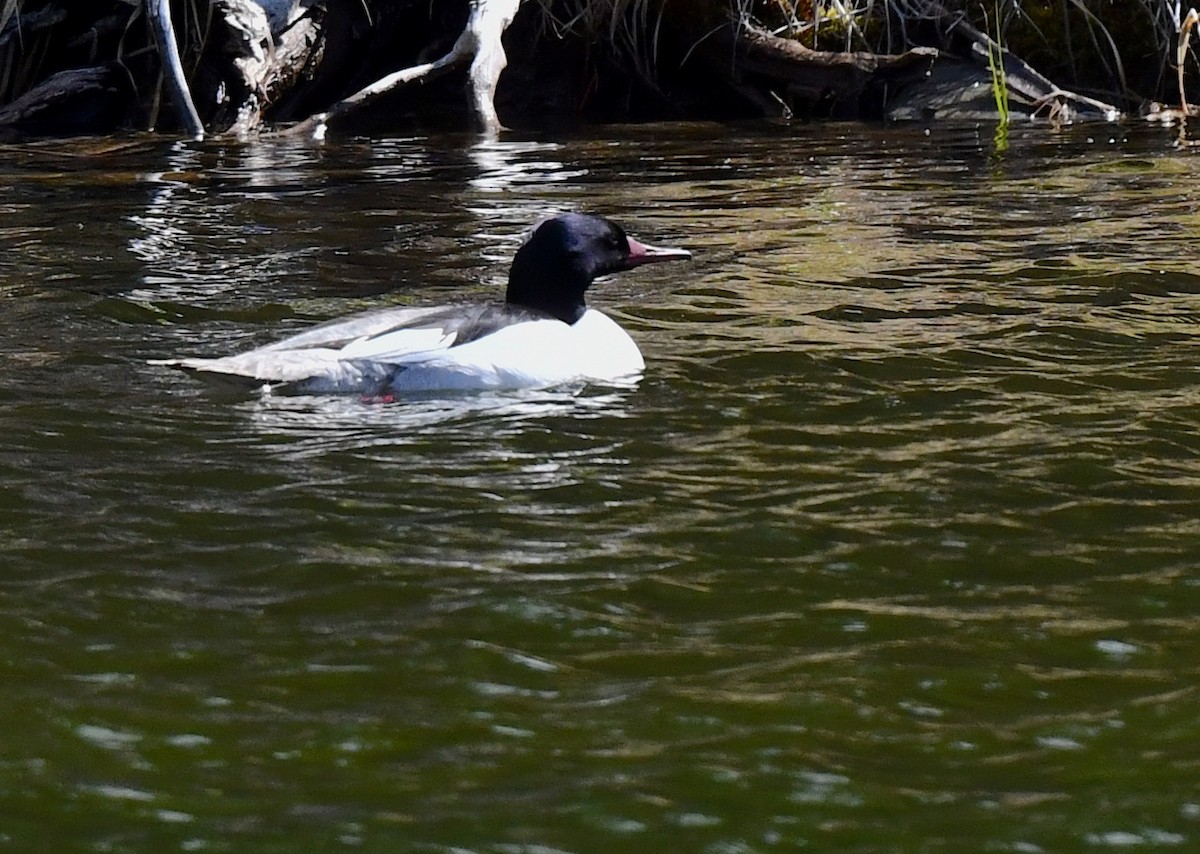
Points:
[556,265]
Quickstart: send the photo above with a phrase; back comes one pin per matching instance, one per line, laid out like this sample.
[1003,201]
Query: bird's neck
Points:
[558,293]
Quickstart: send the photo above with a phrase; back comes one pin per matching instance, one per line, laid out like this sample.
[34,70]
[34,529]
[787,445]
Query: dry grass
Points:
[631,26]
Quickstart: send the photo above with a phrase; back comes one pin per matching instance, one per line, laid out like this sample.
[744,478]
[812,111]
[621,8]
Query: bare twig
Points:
[1185,38]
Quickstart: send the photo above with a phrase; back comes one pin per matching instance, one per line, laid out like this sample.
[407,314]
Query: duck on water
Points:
[543,334]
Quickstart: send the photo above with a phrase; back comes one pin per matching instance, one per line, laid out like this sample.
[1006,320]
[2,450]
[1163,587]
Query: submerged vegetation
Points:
[242,66]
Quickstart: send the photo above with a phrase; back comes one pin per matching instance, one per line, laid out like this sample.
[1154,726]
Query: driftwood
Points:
[479,42]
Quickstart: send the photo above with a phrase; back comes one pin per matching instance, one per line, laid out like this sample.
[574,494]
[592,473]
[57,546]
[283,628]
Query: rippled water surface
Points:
[895,547]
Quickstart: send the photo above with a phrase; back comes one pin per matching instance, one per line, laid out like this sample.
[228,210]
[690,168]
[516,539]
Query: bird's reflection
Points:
[307,426]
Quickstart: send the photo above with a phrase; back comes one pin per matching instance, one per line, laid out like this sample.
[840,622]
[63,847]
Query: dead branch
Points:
[818,73]
[480,42]
[168,51]
[489,20]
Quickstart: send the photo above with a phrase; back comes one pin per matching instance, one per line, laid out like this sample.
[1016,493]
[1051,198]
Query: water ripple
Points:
[893,546]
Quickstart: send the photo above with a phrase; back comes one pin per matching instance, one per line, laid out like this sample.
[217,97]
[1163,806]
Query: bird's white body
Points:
[415,350]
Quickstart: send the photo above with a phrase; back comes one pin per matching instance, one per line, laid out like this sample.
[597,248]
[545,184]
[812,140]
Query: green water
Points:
[894,548]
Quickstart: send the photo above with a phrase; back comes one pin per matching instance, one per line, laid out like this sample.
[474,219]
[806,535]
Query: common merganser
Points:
[542,335]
